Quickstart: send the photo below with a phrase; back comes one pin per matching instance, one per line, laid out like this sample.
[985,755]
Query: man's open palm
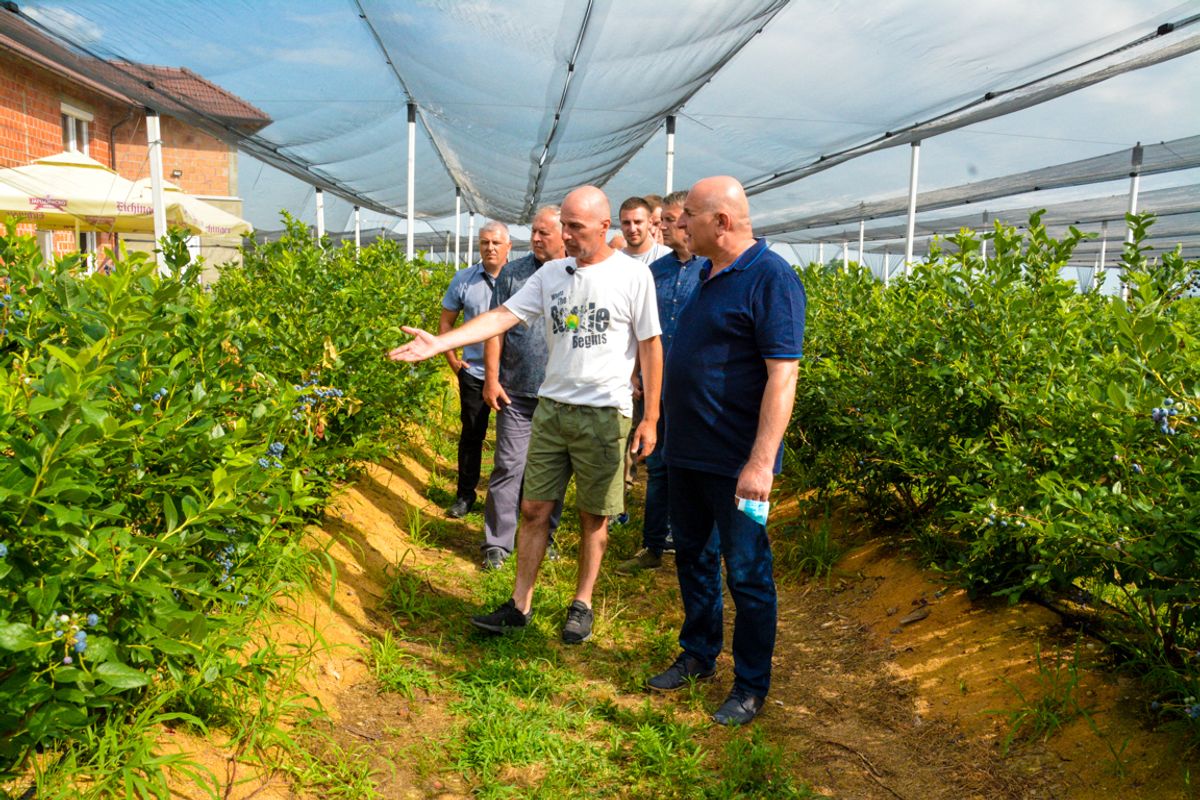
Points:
[423,346]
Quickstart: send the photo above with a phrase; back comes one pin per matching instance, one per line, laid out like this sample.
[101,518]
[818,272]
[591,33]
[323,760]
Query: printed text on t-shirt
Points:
[583,322]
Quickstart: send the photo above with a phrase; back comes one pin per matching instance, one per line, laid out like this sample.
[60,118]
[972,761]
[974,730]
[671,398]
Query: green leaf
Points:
[120,676]
[62,355]
[16,636]
[170,512]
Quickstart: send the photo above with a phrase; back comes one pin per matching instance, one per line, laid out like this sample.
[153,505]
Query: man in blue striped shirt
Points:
[676,276]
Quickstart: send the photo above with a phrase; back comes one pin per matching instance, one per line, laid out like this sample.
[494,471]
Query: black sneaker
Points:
[669,543]
[461,507]
[494,558]
[578,627]
[552,554]
[739,708]
[685,670]
[503,619]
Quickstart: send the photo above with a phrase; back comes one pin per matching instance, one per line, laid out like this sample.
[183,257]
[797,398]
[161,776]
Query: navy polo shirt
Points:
[750,311]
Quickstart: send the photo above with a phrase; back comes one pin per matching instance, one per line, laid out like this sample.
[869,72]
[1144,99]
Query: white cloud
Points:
[72,26]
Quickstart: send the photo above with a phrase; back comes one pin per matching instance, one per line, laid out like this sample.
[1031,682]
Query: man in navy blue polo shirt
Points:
[730,382]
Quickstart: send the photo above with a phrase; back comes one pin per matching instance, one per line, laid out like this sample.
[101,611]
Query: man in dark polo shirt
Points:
[676,276]
[514,368]
[729,389]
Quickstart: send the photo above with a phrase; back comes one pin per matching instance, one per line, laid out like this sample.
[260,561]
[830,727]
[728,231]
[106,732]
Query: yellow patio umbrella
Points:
[187,211]
[70,191]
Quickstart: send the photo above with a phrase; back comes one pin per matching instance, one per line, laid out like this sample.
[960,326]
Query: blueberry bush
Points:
[161,445]
[1029,437]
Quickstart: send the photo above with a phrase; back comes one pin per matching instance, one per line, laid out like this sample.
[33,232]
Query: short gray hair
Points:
[495,227]
[548,209]
[675,199]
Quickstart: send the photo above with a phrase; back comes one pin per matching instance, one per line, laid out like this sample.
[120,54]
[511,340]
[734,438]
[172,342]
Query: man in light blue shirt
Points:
[470,293]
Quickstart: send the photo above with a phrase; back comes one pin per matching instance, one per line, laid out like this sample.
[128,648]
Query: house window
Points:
[76,123]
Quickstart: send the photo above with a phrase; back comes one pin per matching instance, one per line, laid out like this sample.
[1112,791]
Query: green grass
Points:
[807,550]
[1056,702]
[396,670]
[532,718]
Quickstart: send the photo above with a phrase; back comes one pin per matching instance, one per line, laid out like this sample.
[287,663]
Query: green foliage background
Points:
[161,444]
[1026,436]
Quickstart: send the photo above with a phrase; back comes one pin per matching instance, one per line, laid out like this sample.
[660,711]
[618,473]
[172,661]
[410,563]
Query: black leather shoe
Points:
[739,708]
[678,675]
[459,509]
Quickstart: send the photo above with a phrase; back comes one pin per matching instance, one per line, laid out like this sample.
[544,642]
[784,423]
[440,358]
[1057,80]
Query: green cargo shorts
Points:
[586,441]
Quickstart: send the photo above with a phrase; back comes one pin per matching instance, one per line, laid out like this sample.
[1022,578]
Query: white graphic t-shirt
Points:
[594,318]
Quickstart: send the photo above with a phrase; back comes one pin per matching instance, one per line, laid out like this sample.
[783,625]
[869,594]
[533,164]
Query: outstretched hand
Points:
[424,345]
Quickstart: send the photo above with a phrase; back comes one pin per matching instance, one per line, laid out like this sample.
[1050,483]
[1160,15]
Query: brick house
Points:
[53,99]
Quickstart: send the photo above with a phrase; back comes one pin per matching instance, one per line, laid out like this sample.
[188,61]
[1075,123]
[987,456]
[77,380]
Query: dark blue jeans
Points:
[655,525]
[708,527]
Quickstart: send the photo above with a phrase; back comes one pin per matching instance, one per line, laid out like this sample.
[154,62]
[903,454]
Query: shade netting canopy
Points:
[517,102]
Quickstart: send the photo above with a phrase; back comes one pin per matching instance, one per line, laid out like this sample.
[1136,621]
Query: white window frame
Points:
[76,134]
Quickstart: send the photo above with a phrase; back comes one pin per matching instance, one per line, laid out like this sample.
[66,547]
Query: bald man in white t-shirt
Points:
[600,316]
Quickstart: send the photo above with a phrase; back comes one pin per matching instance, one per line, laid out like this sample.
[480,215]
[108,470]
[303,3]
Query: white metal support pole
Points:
[670,152]
[154,140]
[457,226]
[862,233]
[320,215]
[446,258]
[983,242]
[912,207]
[821,253]
[887,267]
[357,230]
[1135,175]
[845,256]
[471,238]
[412,178]
[1102,275]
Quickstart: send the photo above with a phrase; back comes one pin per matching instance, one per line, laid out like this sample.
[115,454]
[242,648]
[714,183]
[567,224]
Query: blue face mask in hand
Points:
[756,510]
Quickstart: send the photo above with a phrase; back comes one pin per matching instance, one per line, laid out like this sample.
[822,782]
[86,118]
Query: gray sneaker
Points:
[578,627]
[494,558]
[644,560]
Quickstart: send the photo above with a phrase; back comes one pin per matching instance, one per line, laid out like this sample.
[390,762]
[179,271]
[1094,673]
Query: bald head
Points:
[586,215]
[587,200]
[723,195]
[716,220]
